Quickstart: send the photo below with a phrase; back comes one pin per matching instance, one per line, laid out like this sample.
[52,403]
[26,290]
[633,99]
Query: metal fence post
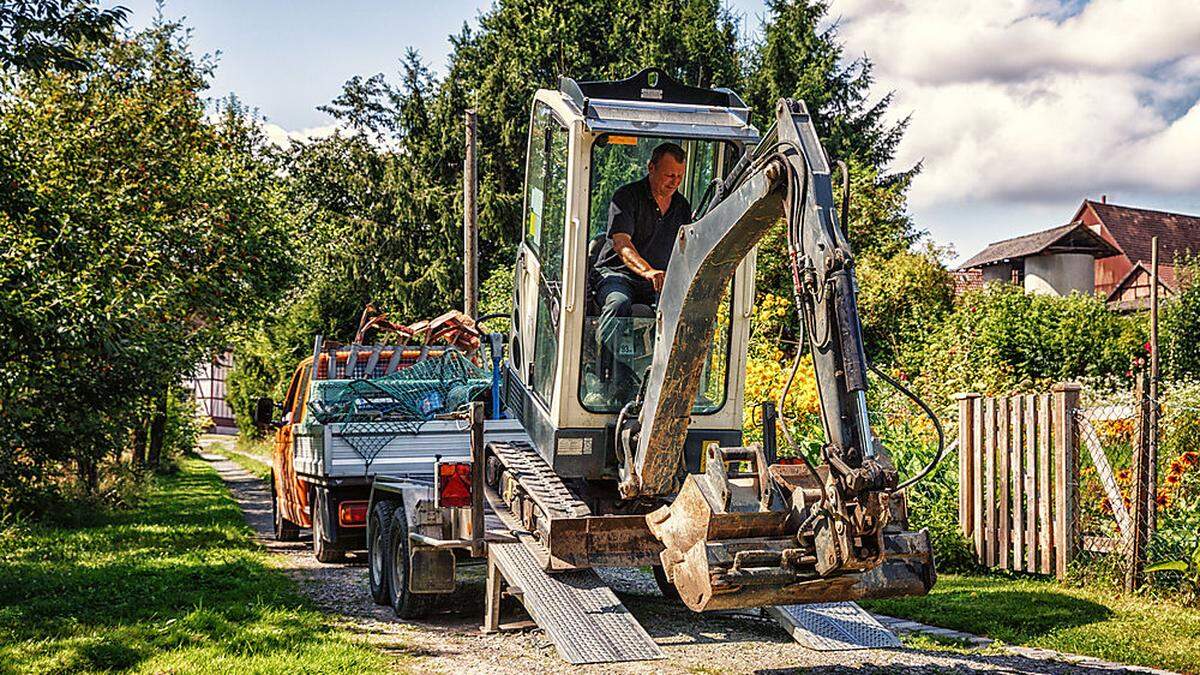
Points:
[1139,532]
[1066,402]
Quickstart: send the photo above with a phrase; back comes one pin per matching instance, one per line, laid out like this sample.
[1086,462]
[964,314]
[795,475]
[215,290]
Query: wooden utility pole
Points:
[1145,451]
[470,224]
[1152,505]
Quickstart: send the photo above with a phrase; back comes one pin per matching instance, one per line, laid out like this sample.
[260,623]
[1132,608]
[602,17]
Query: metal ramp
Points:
[577,610]
[833,626]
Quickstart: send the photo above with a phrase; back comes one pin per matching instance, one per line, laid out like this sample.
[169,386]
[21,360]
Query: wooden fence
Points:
[1017,478]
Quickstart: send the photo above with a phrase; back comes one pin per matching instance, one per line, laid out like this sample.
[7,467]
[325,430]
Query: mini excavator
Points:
[660,475]
[572,468]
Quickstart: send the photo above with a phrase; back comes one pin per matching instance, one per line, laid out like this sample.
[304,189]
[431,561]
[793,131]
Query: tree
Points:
[796,59]
[902,300]
[38,35]
[1180,333]
[382,202]
[135,237]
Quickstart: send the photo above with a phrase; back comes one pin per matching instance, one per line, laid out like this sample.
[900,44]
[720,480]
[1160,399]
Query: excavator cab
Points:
[616,160]
[587,139]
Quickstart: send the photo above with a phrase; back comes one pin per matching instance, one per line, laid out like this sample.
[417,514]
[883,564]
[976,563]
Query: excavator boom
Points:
[778,533]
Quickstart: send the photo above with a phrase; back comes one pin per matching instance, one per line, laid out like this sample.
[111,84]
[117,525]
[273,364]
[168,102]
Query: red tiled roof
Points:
[1133,227]
[965,280]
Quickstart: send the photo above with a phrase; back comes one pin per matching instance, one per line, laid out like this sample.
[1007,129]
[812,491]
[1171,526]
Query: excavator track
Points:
[555,524]
[524,465]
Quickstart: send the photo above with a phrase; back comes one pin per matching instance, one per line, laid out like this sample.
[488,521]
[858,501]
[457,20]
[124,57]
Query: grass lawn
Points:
[1040,613]
[174,585]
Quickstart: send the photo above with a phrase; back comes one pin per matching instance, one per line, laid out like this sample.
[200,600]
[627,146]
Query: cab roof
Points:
[653,103]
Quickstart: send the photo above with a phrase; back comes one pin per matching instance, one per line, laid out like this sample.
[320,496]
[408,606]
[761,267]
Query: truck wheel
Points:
[323,549]
[668,590]
[407,605]
[285,530]
[379,560]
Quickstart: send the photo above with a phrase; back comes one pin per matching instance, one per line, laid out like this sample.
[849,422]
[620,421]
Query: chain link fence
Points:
[1111,431]
[1175,537]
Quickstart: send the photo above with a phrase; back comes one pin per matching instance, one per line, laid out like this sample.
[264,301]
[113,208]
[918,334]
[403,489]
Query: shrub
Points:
[136,234]
[1001,339]
[1180,328]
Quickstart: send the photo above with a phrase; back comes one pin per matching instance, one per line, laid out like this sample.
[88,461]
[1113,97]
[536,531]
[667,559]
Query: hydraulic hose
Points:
[929,412]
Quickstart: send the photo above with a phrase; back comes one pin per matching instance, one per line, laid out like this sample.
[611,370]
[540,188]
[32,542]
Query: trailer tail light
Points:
[454,484]
[352,514]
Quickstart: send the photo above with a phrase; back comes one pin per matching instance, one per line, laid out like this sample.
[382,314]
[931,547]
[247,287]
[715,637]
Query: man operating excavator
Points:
[644,218]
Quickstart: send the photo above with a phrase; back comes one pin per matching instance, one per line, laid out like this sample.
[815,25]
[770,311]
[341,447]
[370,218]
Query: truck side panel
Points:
[360,449]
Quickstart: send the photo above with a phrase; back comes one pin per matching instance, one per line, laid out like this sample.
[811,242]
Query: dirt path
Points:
[721,643]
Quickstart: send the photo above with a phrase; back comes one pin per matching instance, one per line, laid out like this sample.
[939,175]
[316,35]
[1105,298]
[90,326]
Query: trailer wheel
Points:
[323,550]
[379,561]
[285,530]
[406,604]
[668,590]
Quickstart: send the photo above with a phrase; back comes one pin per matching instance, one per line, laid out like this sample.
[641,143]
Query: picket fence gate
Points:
[1017,479]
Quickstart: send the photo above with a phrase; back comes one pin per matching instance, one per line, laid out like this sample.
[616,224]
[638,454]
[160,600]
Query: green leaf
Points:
[1169,566]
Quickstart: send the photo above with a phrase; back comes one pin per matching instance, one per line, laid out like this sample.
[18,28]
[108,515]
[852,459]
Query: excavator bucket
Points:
[736,539]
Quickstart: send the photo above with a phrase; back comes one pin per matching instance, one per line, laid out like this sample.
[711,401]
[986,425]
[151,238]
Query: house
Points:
[1055,261]
[1104,249]
[209,393]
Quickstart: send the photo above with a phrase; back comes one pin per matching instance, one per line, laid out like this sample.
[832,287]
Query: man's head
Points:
[666,169]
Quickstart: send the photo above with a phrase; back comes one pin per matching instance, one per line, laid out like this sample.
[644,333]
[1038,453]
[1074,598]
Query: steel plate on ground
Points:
[833,626]
[578,611]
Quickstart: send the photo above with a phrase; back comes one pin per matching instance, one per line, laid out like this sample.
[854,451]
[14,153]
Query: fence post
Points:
[966,458]
[1066,401]
[1139,520]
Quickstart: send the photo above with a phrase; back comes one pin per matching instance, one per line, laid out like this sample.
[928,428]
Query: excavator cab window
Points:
[611,378]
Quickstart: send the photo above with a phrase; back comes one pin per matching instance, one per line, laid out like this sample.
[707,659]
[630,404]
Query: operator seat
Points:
[636,310]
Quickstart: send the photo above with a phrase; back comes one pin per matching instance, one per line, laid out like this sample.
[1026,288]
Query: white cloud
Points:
[282,137]
[1015,100]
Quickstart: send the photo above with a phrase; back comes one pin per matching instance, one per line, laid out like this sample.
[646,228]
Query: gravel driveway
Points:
[693,643]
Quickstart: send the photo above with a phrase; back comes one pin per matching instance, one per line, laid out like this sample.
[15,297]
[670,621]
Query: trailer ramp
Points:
[833,626]
[577,610]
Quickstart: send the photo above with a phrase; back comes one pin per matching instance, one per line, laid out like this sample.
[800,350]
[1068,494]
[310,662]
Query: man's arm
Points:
[620,229]
[624,247]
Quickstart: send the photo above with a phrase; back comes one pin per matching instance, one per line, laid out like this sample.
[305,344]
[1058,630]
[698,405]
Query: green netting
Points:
[431,388]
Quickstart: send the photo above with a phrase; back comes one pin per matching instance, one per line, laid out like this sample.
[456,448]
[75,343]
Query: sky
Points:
[1018,109]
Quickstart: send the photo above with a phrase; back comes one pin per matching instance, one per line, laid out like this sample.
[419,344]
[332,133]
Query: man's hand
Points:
[624,247]
[655,277]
